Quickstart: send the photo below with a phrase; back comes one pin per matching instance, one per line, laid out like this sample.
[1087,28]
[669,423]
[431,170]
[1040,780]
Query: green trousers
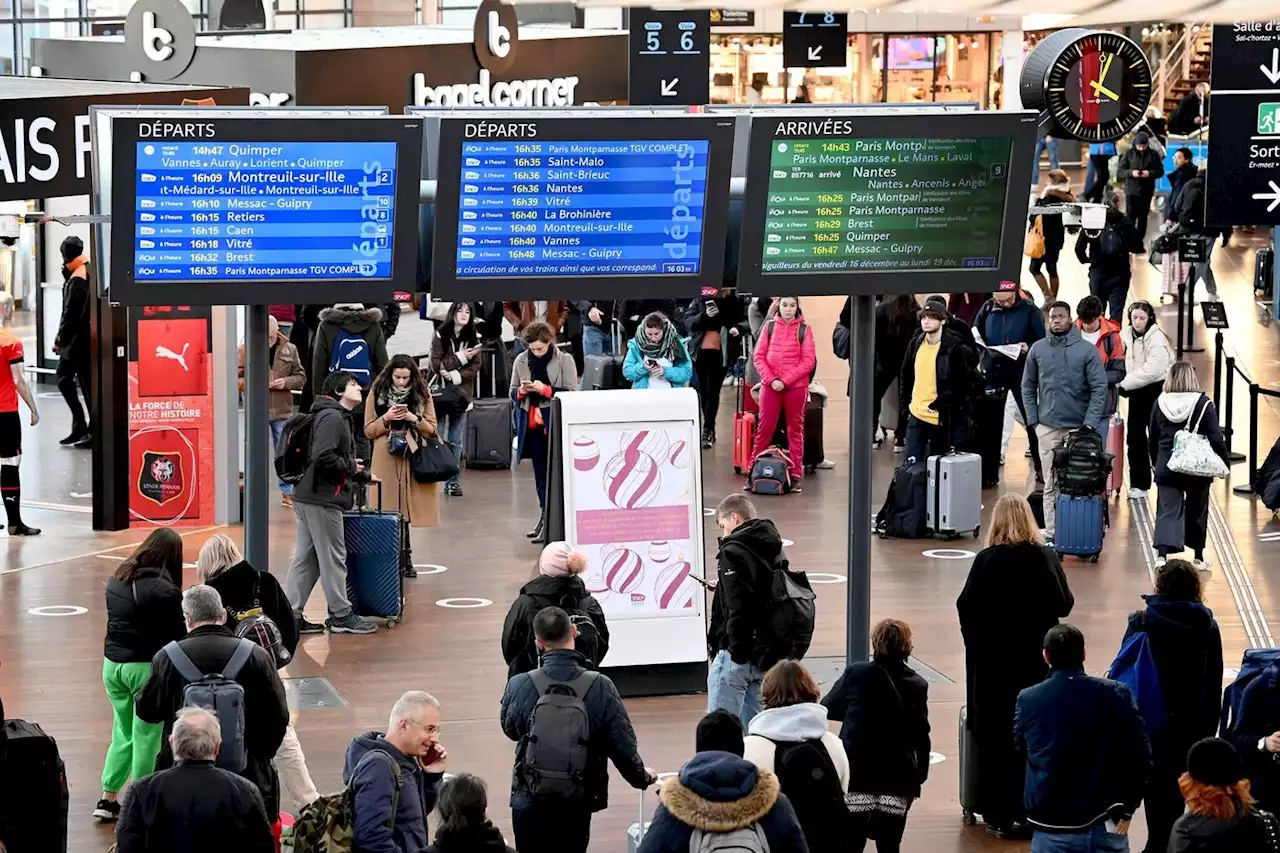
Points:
[134,743]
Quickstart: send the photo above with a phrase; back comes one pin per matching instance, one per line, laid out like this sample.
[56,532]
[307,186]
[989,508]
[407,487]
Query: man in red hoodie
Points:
[1105,335]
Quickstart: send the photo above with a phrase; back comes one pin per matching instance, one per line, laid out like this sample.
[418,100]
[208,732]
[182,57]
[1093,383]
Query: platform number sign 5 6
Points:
[670,57]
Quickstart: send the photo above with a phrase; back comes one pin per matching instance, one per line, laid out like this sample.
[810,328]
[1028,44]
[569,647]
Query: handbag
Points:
[1033,244]
[447,398]
[434,461]
[1193,455]
[398,443]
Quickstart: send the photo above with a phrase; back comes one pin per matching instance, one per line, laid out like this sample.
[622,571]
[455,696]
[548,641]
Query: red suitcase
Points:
[744,438]
[1115,446]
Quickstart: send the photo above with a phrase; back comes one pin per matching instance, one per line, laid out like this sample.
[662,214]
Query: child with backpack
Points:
[558,583]
[785,357]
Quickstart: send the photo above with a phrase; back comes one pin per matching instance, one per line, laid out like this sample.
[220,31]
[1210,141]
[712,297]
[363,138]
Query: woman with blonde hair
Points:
[1015,593]
[1220,815]
[247,592]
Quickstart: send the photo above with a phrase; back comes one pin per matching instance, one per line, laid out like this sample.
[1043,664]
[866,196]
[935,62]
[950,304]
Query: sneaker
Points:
[351,624]
[1161,560]
[1137,494]
[795,490]
[1203,565]
[308,627]
[825,465]
[898,448]
[107,811]
[728,380]
[85,443]
[77,433]
[286,500]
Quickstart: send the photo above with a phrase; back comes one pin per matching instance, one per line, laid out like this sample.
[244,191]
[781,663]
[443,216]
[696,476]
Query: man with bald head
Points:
[194,806]
[287,375]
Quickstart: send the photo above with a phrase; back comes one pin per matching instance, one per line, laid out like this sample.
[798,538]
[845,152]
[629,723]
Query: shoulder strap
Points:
[800,332]
[133,586]
[541,681]
[257,580]
[238,660]
[1204,405]
[181,662]
[395,793]
[583,682]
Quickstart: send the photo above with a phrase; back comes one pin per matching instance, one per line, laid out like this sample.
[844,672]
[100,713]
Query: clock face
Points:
[1098,87]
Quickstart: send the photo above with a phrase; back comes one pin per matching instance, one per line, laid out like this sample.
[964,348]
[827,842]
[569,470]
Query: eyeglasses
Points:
[431,730]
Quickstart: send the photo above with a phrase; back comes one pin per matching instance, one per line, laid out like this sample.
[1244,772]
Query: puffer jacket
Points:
[1147,357]
[793,724]
[1064,385]
[1111,350]
[365,322]
[784,352]
[142,616]
[720,792]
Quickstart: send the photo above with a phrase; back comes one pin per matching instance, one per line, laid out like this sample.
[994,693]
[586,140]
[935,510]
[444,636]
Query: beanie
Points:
[1142,138]
[1215,762]
[720,731]
[559,560]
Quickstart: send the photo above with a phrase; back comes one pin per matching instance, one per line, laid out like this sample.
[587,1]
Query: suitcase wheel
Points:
[977,533]
[393,621]
[970,819]
[1093,558]
[737,469]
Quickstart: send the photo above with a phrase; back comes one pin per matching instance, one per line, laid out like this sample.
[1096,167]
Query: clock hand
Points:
[1097,86]
[1100,89]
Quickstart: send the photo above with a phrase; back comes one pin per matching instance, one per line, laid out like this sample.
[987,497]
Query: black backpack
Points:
[255,625]
[587,643]
[811,782]
[293,453]
[553,754]
[1111,241]
[905,511]
[791,614]
[1081,464]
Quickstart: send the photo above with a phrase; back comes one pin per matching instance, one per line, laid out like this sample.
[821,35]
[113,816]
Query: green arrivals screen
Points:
[844,205]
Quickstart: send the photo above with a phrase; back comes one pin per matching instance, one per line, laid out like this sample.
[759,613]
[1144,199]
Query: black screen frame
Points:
[405,131]
[717,130]
[1020,127]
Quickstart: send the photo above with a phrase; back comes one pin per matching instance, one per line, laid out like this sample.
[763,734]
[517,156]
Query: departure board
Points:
[565,201]
[252,210]
[899,202]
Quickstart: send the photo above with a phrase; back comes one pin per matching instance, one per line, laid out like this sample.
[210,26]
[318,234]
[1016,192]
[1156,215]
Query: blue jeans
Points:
[455,432]
[595,341]
[734,687]
[1104,427]
[277,427]
[1053,146]
[1096,840]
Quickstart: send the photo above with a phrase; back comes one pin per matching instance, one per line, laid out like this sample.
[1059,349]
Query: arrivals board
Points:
[581,208]
[886,203]
[252,211]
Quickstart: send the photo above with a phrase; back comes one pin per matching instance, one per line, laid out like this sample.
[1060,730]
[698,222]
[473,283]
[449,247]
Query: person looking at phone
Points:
[408,757]
[456,356]
[540,371]
[716,328]
[319,499]
[656,357]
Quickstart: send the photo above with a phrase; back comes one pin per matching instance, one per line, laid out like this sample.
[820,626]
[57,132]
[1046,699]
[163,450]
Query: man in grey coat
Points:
[1064,387]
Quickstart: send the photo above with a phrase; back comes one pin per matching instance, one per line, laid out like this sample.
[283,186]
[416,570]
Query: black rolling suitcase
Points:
[489,429]
[37,799]
[813,448]
[968,770]
[604,372]
[987,432]
[1264,264]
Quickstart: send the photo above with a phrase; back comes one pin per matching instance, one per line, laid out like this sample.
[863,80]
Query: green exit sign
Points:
[1269,119]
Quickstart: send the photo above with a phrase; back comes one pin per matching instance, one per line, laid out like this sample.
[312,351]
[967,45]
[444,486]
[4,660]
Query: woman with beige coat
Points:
[398,402]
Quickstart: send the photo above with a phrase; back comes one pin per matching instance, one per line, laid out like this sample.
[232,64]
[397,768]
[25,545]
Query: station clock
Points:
[1091,85]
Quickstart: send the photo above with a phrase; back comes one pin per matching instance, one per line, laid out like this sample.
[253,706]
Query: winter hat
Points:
[1142,138]
[560,560]
[720,731]
[935,306]
[1215,762]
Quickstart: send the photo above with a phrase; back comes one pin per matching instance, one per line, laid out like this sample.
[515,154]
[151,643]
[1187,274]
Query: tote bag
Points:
[1033,244]
[1193,454]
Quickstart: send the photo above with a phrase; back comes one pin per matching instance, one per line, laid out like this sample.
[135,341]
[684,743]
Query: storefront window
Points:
[964,67]
[8,56]
[909,68]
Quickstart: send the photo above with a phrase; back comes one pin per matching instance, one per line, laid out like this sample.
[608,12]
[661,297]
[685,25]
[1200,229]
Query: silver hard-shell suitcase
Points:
[954,494]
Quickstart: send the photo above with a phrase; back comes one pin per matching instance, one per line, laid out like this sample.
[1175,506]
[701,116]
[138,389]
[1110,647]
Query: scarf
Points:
[665,348]
[395,396]
[538,365]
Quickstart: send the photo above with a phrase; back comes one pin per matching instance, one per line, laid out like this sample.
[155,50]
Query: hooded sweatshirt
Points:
[570,593]
[793,724]
[374,782]
[1064,385]
[1171,413]
[720,792]
[747,559]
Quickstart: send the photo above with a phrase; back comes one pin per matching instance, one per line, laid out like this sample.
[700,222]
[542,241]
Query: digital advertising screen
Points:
[256,211]
[882,203]
[530,206]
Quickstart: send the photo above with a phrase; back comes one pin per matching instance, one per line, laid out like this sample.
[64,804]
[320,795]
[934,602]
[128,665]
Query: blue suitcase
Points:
[375,556]
[1080,524]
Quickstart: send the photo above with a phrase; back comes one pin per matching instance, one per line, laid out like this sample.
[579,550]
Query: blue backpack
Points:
[1258,676]
[351,353]
[1135,667]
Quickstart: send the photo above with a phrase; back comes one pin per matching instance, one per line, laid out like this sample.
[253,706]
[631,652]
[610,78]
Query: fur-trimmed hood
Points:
[719,792]
[355,320]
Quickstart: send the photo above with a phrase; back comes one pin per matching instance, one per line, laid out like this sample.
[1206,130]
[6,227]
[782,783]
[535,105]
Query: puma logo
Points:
[180,357]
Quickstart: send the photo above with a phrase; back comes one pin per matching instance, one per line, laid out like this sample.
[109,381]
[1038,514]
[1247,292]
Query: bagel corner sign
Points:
[496,44]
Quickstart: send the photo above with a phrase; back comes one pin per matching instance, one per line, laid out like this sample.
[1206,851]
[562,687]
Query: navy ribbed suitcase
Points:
[1079,524]
[375,555]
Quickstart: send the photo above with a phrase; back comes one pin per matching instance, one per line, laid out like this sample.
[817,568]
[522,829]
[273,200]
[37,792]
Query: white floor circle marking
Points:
[58,610]
[464,603]
[936,758]
[787,543]
[430,568]
[948,554]
[826,577]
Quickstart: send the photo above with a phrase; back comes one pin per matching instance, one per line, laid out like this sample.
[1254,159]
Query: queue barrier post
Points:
[1228,429]
[1253,442]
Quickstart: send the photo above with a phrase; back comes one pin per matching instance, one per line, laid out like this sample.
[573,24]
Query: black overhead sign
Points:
[669,57]
[1244,187]
[815,39]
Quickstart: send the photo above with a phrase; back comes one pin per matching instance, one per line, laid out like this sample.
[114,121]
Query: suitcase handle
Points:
[362,496]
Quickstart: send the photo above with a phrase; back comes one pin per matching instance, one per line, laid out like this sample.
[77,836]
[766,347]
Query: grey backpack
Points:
[553,755]
[220,694]
[749,839]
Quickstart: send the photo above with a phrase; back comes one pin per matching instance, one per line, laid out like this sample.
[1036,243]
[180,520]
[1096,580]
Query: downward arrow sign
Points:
[1273,196]
[669,87]
[815,52]
[1273,73]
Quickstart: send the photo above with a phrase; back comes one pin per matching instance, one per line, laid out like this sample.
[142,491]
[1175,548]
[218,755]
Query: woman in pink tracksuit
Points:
[785,358]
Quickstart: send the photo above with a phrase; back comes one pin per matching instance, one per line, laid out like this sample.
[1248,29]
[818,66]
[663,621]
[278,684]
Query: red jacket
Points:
[1108,350]
[782,354]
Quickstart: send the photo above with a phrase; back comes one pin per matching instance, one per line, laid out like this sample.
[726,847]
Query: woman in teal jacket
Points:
[656,357]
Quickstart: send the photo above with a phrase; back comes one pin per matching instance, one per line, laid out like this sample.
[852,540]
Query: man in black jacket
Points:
[194,806]
[210,646]
[738,638]
[1088,757]
[72,342]
[1006,319]
[1184,169]
[1190,218]
[939,374]
[563,825]
[1140,166]
[1107,254]
[1192,113]
[319,499]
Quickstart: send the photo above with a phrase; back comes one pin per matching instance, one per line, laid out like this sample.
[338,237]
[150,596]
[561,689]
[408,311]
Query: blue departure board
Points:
[209,210]
[612,208]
